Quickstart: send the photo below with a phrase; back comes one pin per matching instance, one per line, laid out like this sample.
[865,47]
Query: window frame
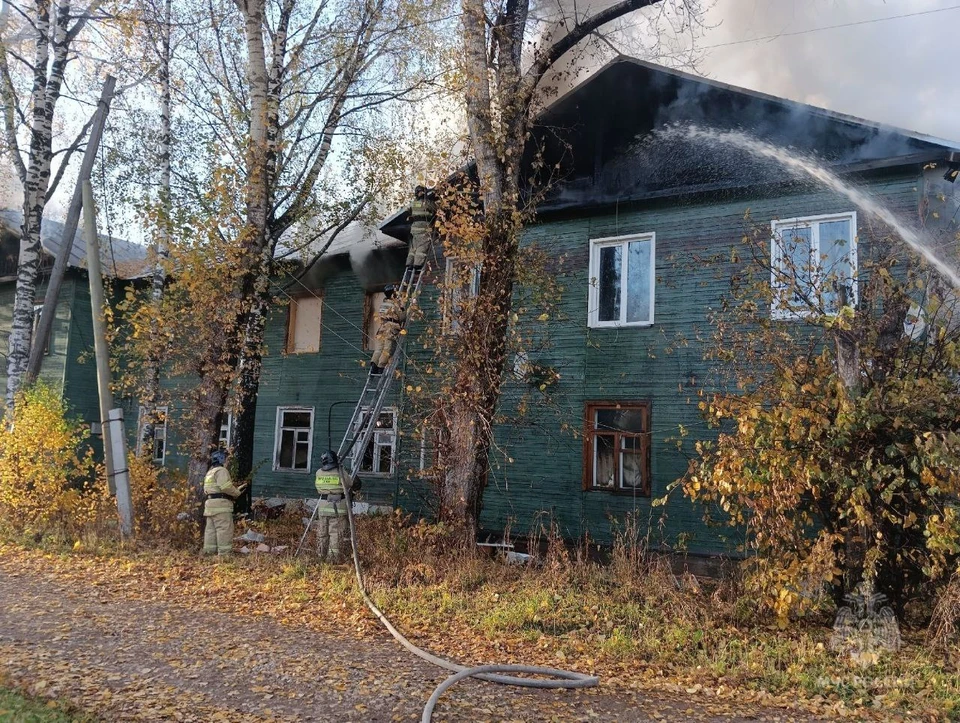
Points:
[393,433]
[278,439]
[290,338]
[593,285]
[451,298]
[777,310]
[590,435]
[159,410]
[226,424]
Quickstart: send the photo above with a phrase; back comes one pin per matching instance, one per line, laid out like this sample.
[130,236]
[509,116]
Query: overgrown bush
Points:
[46,475]
[839,447]
[163,504]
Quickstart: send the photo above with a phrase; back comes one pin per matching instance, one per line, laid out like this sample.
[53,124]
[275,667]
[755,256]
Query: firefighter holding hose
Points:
[331,525]
[220,493]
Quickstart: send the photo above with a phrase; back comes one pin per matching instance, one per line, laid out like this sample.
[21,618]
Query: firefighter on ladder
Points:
[218,507]
[392,315]
[331,517]
[422,212]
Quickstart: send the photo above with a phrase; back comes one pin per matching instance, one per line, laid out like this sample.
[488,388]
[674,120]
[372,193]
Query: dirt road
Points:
[137,660]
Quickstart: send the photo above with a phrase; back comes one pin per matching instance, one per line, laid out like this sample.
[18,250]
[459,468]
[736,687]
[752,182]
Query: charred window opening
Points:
[379,457]
[617,447]
[294,439]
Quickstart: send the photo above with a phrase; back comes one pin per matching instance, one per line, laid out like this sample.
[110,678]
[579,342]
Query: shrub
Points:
[46,481]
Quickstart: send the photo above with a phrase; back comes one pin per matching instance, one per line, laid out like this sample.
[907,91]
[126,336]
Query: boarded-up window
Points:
[304,324]
[294,438]
[371,320]
[616,447]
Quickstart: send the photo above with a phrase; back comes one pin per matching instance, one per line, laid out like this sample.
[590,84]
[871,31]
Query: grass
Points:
[18,708]
[632,621]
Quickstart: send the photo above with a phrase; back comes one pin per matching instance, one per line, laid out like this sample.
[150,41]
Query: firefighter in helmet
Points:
[331,523]
[422,212]
[218,507]
[392,316]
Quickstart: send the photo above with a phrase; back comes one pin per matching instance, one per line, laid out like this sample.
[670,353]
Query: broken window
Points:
[226,428]
[813,265]
[617,447]
[294,438]
[304,325]
[158,437]
[622,281]
[379,456]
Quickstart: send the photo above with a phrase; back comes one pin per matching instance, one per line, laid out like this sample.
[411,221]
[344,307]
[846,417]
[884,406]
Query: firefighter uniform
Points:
[218,511]
[422,211]
[392,315]
[331,523]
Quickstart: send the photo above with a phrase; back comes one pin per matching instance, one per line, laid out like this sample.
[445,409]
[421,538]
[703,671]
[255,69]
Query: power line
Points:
[830,27]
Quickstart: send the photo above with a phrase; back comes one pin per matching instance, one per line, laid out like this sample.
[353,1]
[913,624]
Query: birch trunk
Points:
[47,82]
[161,245]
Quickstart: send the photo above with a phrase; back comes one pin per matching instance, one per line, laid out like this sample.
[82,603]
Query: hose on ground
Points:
[489,673]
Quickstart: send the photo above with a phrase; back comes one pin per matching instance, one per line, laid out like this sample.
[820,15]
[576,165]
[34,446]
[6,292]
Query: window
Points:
[462,281]
[37,313]
[226,428]
[304,324]
[294,438]
[622,280]
[813,263]
[379,456]
[616,447]
[371,321]
[158,439]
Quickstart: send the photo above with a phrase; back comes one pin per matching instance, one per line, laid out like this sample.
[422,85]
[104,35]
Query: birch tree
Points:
[277,83]
[508,50]
[50,31]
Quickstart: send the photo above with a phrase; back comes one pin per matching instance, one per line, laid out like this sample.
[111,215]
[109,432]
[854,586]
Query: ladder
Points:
[376,387]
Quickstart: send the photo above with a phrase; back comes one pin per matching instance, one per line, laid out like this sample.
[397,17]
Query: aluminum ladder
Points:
[376,387]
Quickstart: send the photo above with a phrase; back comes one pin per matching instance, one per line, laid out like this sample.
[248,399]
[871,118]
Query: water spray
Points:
[803,166]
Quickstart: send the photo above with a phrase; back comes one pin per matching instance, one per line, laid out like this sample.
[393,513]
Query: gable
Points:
[599,141]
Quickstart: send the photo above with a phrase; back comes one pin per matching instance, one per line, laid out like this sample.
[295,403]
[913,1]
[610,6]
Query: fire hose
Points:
[489,673]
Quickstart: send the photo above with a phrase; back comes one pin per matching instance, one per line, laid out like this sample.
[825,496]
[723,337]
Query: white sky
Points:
[904,71]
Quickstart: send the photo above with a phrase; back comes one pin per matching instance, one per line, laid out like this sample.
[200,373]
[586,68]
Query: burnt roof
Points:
[600,145]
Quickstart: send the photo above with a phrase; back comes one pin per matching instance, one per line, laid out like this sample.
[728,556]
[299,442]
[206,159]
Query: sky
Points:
[902,71]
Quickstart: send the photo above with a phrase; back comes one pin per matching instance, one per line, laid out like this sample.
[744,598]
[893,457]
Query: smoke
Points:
[897,72]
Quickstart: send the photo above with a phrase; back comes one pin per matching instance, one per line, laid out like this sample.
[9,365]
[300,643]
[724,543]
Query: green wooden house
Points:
[68,364]
[646,230]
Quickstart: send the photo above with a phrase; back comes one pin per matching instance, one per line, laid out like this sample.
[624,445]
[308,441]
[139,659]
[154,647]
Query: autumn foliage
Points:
[829,482]
[45,473]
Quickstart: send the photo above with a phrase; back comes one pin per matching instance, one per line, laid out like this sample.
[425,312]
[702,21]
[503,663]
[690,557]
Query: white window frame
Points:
[777,227]
[163,409]
[593,294]
[226,426]
[381,438]
[278,438]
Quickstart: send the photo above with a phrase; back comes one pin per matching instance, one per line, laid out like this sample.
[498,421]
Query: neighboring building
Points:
[68,364]
[647,232]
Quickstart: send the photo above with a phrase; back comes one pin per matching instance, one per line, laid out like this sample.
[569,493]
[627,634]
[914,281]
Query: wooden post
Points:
[42,336]
[111,420]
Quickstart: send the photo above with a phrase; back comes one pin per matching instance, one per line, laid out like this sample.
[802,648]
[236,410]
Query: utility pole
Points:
[111,420]
[59,269]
